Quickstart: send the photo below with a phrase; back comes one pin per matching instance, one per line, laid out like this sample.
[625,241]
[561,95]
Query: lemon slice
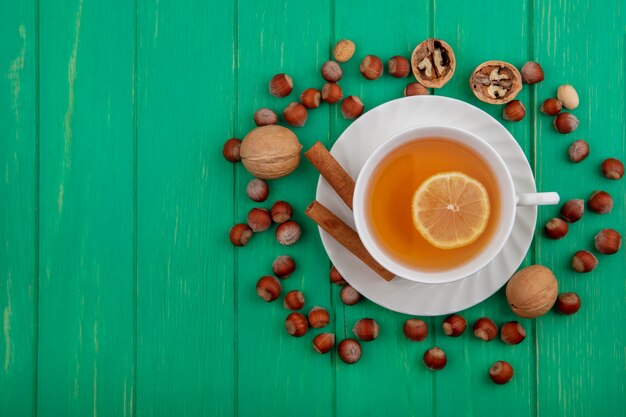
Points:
[450,209]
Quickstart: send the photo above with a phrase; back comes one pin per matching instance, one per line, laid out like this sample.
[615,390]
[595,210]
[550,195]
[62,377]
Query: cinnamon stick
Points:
[337,177]
[345,235]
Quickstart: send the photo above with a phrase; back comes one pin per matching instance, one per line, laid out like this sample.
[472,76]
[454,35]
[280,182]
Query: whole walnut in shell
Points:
[270,151]
[532,291]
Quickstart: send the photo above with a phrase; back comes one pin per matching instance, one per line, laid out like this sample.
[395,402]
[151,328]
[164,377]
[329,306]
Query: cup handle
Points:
[537,199]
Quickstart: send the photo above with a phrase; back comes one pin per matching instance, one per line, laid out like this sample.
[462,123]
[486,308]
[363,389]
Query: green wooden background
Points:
[120,293]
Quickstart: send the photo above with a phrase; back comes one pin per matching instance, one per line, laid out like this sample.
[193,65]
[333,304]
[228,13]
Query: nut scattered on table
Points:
[288,233]
[551,106]
[318,317]
[514,111]
[281,211]
[283,266]
[294,300]
[496,82]
[264,117]
[366,329]
[399,67]
[231,150]
[344,50]
[435,359]
[485,329]
[351,107]
[532,291]
[331,93]
[532,73]
[331,71]
[415,330]
[568,96]
[258,190]
[512,333]
[501,372]
[349,295]
[454,325]
[240,234]
[371,67]
[268,288]
[310,98]
[335,277]
[433,63]
[578,151]
[613,168]
[281,85]
[600,202]
[415,89]
[349,351]
[584,261]
[608,241]
[295,114]
[568,303]
[270,151]
[573,210]
[324,342]
[259,219]
[565,122]
[296,324]
[556,228]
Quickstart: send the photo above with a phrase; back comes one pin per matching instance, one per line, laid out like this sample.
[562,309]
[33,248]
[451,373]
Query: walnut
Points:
[270,151]
[433,63]
[496,82]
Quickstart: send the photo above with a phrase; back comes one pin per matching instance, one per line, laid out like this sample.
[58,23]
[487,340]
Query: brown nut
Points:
[240,234]
[331,93]
[281,85]
[568,303]
[568,96]
[270,151]
[496,82]
[485,329]
[573,210]
[551,107]
[584,261]
[613,169]
[349,351]
[335,277]
[501,372]
[324,342]
[343,51]
[600,202]
[556,228]
[565,122]
[331,71]
[349,295]
[259,219]
[283,266]
[512,333]
[281,211]
[268,288]
[295,114]
[399,66]
[434,359]
[531,291]
[310,98]
[415,330]
[454,325]
[231,148]
[257,190]
[532,73]
[608,241]
[366,329]
[371,67]
[578,151]
[433,63]
[318,317]
[296,324]
[351,107]
[415,89]
[294,300]
[514,111]
[288,233]
[264,117]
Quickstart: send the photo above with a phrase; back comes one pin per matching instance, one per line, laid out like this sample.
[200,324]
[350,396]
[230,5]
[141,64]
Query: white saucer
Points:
[352,149]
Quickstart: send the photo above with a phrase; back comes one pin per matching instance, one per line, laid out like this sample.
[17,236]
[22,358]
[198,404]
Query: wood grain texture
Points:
[18,208]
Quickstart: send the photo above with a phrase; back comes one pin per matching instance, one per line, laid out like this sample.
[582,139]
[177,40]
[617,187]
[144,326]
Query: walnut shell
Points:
[496,82]
[270,151]
[433,63]
[532,291]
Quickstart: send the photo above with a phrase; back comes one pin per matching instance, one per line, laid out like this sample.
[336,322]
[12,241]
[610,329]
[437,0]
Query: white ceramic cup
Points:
[509,201]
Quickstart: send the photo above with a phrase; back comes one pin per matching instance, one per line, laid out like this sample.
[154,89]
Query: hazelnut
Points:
[514,111]
[288,233]
[568,303]
[294,300]
[601,202]
[584,261]
[351,107]
[415,89]
[415,330]
[331,93]
[433,63]
[399,67]
[608,241]
[270,152]
[324,342]
[532,73]
[281,85]
[485,329]
[371,67]
[578,151]
[264,117]
[331,71]
[240,234]
[496,82]
[366,329]
[551,107]
[565,122]
[259,219]
[531,291]
[281,211]
[335,277]
[268,288]
[573,210]
[295,114]
[349,351]
[311,98]
[349,295]
[556,228]
[613,169]
[454,325]
[230,151]
[283,266]
[344,49]
[512,333]
[435,359]
[257,190]
[568,96]
[501,372]
[296,324]
[318,317]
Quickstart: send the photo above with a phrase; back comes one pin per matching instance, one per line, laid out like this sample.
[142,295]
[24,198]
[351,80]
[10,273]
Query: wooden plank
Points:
[390,379]
[18,211]
[279,374]
[185,300]
[581,363]
[86,326]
